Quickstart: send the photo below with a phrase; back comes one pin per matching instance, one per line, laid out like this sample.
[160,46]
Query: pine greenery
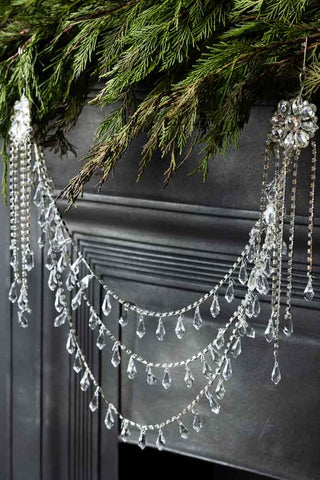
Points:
[204,63]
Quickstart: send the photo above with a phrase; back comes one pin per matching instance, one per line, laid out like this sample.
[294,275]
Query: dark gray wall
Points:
[159,248]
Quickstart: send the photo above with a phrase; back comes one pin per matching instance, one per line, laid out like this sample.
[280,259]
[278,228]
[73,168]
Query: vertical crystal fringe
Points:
[20,191]
[309,292]
[288,326]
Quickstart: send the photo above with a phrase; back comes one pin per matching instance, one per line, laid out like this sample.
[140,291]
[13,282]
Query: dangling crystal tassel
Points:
[276,374]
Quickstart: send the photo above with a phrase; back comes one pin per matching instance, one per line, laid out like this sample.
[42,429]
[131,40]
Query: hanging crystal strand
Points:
[20,138]
[288,327]
[309,292]
[263,198]
[281,194]
[14,221]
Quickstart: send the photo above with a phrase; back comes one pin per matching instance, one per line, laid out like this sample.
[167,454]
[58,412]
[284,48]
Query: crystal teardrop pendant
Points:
[188,378]
[220,389]
[116,357]
[101,340]
[229,295]
[251,253]
[29,260]
[13,293]
[227,369]
[166,380]
[197,320]
[180,328]
[250,331]
[160,332]
[236,348]
[269,331]
[206,369]
[142,439]
[106,305]
[93,320]
[71,343]
[22,320]
[109,418]
[123,320]
[141,328]
[256,306]
[125,432]
[52,280]
[161,441]
[75,267]
[23,300]
[77,299]
[308,291]
[62,262]
[131,370]
[184,432]
[197,423]
[215,306]
[151,379]
[243,274]
[61,319]
[71,281]
[77,364]
[276,374]
[219,341]
[85,381]
[37,198]
[288,328]
[94,404]
[84,282]
[213,403]
[249,308]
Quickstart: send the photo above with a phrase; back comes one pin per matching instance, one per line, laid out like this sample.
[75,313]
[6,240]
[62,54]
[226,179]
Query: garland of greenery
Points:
[205,63]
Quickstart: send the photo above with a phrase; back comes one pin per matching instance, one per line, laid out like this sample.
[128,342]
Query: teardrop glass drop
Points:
[61,319]
[94,404]
[188,378]
[77,364]
[160,332]
[197,423]
[215,306]
[180,328]
[184,432]
[71,343]
[131,370]
[220,389]
[76,301]
[197,320]
[227,369]
[229,295]
[141,328]
[70,281]
[123,320]
[93,320]
[101,340]
[106,305]
[166,380]
[29,260]
[116,357]
[243,274]
[142,439]
[109,419]
[269,331]
[213,403]
[151,379]
[125,432]
[256,306]
[288,328]
[236,348]
[13,293]
[161,441]
[276,374]
[308,291]
[85,381]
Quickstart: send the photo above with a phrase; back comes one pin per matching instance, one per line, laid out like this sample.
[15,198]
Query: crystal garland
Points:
[292,129]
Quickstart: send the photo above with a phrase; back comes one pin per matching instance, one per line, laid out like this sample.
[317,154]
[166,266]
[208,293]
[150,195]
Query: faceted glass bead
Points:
[142,439]
[71,344]
[85,381]
[141,328]
[71,281]
[161,441]
[123,320]
[132,369]
[29,260]
[102,338]
[151,379]
[276,374]
[180,328]
[206,369]
[166,380]
[109,419]
[61,318]
[106,305]
[76,301]
[213,403]
[220,389]
[227,369]
[243,274]
[236,348]
[197,320]
[125,432]
[188,378]
[84,282]
[52,280]
[269,331]
[93,320]
[256,306]
[288,328]
[229,295]
[77,364]
[160,332]
[94,404]
[215,306]
[184,432]
[308,291]
[13,293]
[197,423]
[22,320]
[116,357]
